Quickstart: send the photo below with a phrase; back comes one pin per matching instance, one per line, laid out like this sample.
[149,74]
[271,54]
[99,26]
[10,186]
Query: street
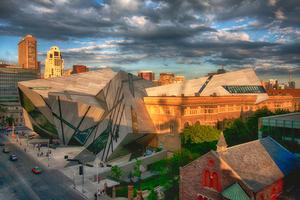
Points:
[17,182]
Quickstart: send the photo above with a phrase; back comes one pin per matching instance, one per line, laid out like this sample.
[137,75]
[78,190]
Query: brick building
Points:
[27,53]
[147,75]
[79,69]
[210,100]
[258,169]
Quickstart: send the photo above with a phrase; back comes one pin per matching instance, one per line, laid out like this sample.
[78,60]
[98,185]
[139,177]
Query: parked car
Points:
[5,150]
[13,157]
[2,144]
[36,170]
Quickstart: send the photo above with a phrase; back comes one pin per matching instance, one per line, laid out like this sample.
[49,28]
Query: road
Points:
[17,182]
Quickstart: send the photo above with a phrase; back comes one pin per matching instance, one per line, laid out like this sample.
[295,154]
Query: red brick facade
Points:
[79,69]
[206,177]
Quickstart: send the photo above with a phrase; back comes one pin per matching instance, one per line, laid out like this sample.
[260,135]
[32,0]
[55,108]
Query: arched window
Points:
[197,123]
[215,181]
[206,178]
[186,124]
[273,194]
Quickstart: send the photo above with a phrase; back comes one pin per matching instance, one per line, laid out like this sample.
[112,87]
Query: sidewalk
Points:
[56,159]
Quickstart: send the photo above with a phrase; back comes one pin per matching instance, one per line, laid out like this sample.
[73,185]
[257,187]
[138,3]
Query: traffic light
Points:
[80,170]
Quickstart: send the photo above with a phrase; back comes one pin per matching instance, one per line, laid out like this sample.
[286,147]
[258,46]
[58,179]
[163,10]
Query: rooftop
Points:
[240,82]
[290,116]
[260,163]
[89,83]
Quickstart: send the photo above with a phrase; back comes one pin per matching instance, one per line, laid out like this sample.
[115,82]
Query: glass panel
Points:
[38,118]
[82,136]
[244,89]
[100,142]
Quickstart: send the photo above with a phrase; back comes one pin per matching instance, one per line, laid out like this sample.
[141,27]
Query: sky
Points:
[187,37]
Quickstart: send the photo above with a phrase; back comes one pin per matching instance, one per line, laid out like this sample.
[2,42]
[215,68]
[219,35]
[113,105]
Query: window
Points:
[215,181]
[241,89]
[211,180]
[206,178]
[186,124]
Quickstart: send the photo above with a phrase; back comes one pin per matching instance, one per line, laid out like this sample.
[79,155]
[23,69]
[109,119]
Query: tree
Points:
[116,172]
[196,134]
[237,132]
[178,160]
[252,121]
[137,169]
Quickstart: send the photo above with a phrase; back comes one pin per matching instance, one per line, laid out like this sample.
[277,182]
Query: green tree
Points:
[237,133]
[178,160]
[196,134]
[137,169]
[252,121]
[116,172]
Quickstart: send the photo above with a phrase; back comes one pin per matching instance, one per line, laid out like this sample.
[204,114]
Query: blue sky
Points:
[187,37]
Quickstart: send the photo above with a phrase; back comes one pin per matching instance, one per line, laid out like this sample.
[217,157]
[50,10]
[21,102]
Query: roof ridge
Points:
[233,171]
[242,144]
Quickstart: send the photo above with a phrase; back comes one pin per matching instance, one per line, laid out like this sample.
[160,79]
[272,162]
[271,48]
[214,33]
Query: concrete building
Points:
[166,78]
[147,75]
[179,79]
[284,128]
[67,72]
[54,63]
[260,169]
[295,93]
[9,97]
[79,69]
[102,110]
[27,50]
[292,85]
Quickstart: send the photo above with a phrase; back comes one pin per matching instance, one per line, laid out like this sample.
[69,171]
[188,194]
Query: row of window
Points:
[244,89]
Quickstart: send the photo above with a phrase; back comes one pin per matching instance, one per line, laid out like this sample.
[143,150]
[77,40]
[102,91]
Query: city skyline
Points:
[149,35]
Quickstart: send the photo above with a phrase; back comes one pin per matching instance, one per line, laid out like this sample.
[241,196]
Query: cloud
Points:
[234,33]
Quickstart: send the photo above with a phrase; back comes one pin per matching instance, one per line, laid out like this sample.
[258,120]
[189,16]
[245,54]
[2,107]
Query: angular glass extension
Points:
[41,124]
[100,143]
[244,89]
[82,136]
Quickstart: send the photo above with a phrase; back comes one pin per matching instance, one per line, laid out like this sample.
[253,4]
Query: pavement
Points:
[18,182]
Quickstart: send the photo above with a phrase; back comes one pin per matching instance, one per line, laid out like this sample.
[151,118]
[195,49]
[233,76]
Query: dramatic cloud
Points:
[234,33]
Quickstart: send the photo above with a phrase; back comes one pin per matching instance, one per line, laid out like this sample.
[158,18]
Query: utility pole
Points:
[74,173]
[82,178]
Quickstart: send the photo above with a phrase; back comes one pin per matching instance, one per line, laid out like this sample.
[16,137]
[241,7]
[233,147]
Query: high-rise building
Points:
[10,75]
[292,85]
[28,52]
[54,63]
[147,75]
[79,69]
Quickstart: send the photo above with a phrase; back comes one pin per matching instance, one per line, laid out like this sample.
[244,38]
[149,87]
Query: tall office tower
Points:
[147,75]
[292,85]
[10,75]
[54,63]
[28,53]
